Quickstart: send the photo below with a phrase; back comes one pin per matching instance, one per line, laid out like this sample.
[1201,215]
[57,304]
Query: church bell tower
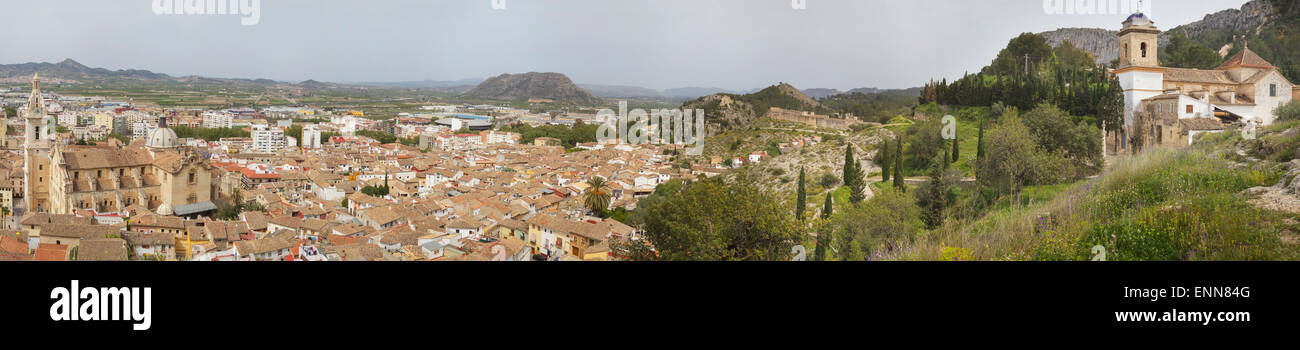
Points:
[1139,71]
[36,151]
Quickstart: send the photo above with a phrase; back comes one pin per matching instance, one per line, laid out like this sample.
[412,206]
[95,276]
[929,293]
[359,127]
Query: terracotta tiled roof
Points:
[102,250]
[1246,58]
[1199,76]
[52,252]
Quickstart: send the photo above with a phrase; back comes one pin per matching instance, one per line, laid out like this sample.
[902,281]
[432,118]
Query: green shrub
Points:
[1288,112]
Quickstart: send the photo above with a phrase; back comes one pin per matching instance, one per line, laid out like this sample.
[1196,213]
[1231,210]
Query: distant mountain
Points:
[819,93]
[533,85]
[1214,31]
[426,84]
[695,92]
[616,91]
[73,70]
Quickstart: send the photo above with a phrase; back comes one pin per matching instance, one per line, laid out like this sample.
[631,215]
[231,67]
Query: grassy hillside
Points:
[1184,205]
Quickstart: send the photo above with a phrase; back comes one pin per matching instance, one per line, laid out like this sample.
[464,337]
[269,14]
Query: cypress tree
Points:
[826,209]
[850,165]
[956,149]
[898,167]
[947,161]
[979,148]
[823,239]
[886,161]
[801,204]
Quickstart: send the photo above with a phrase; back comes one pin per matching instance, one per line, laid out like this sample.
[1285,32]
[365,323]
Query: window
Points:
[1144,50]
[1189,108]
[1160,135]
[192,178]
[1272,90]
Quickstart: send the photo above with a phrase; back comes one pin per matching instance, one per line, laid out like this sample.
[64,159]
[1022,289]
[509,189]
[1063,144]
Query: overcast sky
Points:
[734,44]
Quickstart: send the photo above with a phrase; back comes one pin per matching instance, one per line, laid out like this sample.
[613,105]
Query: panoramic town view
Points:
[1144,138]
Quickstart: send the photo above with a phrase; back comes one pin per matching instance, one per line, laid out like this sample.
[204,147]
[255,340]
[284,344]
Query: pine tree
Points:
[853,177]
[898,167]
[801,204]
[857,191]
[934,199]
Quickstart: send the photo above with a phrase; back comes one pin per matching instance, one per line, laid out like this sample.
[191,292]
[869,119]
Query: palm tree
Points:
[598,196]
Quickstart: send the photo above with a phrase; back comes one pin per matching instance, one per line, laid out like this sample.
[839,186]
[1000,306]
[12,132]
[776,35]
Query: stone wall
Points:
[812,119]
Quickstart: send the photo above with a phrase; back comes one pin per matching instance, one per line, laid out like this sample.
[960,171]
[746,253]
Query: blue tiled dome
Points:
[1138,18]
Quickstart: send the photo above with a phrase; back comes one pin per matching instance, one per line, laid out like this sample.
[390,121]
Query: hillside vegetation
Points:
[1189,204]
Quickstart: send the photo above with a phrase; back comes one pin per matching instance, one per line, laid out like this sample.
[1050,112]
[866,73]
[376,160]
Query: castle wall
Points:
[811,119]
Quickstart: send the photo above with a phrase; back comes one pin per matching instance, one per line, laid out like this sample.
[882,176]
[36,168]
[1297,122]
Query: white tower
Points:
[1139,72]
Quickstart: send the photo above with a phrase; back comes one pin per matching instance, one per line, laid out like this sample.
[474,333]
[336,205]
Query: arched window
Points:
[1144,50]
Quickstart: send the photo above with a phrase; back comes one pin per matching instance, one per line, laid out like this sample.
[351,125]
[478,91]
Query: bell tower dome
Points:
[1139,42]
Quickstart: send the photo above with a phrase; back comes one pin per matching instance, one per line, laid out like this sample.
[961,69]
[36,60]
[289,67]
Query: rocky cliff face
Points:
[1101,43]
[1249,18]
[1213,31]
[517,87]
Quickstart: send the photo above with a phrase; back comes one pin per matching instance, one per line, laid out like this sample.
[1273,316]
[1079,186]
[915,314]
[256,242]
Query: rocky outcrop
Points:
[730,111]
[1284,196]
[1102,44]
[1250,17]
[521,87]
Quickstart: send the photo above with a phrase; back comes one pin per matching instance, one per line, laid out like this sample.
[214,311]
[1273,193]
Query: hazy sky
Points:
[735,44]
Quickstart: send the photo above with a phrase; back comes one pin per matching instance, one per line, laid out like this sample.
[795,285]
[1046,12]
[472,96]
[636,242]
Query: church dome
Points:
[1138,19]
[162,138]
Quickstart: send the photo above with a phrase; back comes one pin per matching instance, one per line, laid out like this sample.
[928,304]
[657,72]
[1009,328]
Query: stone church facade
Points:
[155,173]
[1166,106]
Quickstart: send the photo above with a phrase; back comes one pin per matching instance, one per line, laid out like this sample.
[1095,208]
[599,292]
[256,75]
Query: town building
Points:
[268,139]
